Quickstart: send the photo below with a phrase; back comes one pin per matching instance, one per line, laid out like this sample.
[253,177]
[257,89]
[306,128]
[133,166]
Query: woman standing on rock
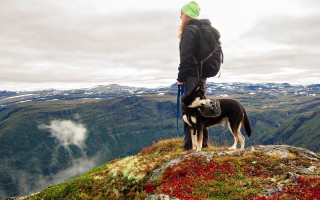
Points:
[189,50]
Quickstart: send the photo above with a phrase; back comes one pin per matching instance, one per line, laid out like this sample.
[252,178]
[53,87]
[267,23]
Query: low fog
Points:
[65,133]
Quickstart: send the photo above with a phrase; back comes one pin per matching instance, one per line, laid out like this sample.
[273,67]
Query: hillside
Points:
[47,137]
[47,142]
[163,169]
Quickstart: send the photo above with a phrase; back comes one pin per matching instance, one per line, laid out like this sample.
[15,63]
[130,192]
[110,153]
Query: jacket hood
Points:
[199,22]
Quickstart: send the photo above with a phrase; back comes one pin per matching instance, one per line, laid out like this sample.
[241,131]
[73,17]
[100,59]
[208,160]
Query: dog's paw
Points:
[232,148]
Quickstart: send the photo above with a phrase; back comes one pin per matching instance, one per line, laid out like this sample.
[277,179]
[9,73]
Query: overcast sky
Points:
[82,43]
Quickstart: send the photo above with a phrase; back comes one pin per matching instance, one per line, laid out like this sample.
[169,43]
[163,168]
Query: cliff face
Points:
[163,170]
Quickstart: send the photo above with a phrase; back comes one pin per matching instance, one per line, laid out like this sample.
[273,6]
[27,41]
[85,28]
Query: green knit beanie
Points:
[191,9]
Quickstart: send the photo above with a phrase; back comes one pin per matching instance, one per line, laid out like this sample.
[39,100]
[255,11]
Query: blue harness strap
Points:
[181,91]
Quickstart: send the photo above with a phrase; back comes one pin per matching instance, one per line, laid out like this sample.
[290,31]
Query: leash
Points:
[181,90]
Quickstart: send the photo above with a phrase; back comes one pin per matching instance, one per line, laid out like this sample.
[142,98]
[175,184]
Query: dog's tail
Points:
[246,123]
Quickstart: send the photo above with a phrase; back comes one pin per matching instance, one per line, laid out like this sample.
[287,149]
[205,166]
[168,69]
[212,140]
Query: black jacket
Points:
[189,47]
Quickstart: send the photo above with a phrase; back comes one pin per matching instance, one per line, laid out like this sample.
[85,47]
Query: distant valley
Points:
[50,136]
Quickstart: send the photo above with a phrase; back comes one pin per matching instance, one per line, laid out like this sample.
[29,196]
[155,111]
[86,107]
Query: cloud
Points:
[279,49]
[279,66]
[82,46]
[28,182]
[67,132]
[296,31]
[77,167]
[86,42]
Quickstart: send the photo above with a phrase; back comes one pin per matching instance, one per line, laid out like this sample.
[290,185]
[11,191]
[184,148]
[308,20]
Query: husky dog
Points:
[231,113]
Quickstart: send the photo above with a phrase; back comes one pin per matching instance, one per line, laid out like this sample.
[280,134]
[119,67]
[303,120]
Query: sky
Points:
[83,43]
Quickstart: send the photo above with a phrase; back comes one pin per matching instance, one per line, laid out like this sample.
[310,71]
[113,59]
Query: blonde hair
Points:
[181,27]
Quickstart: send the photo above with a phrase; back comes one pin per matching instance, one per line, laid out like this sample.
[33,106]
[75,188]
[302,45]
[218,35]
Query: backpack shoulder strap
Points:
[193,26]
[201,41]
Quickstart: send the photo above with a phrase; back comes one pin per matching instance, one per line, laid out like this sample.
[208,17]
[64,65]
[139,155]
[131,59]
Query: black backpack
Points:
[211,55]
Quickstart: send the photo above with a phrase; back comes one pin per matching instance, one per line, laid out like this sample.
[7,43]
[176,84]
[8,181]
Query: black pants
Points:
[190,84]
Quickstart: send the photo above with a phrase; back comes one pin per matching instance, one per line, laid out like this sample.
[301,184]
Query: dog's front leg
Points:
[193,138]
[199,128]
[200,140]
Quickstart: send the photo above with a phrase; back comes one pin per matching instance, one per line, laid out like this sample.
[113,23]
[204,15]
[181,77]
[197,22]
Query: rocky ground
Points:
[278,169]
[165,171]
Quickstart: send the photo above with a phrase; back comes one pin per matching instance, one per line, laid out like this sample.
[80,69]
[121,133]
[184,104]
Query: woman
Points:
[189,51]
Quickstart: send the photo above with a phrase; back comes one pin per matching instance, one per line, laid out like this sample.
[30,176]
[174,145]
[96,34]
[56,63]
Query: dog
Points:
[231,114]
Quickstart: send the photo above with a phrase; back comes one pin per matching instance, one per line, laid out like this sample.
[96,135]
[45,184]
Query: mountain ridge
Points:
[113,90]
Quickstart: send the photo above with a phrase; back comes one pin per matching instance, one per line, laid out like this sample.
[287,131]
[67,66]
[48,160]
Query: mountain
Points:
[51,136]
[8,98]
[165,171]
